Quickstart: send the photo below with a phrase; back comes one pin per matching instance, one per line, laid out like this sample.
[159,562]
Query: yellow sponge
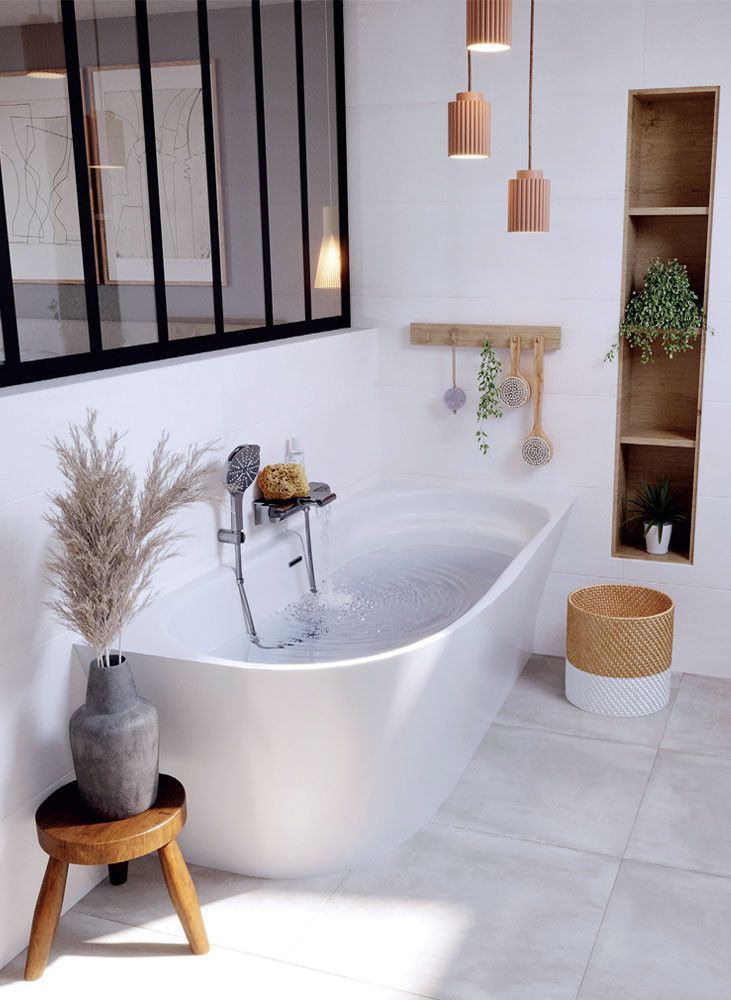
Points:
[283,481]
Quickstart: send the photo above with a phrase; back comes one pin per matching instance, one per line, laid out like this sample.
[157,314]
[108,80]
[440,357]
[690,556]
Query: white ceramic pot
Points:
[655,547]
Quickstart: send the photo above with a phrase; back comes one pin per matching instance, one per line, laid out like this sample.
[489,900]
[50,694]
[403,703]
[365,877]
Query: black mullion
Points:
[81,169]
[302,123]
[339,45]
[7,293]
[262,144]
[153,186]
[212,180]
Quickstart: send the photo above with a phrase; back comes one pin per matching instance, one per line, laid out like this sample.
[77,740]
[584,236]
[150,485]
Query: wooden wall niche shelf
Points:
[671,156]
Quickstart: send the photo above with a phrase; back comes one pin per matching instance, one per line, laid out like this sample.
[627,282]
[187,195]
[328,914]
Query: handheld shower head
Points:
[242,467]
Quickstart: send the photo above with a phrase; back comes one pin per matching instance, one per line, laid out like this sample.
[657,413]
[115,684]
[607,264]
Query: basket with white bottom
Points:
[619,647]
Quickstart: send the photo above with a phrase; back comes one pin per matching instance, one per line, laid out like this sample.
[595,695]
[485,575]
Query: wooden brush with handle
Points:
[515,388]
[537,447]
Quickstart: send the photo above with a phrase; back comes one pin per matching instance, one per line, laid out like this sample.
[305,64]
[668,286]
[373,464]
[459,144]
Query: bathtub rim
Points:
[556,503]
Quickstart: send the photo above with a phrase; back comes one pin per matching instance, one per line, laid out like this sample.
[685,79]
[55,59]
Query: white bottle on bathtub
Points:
[294,452]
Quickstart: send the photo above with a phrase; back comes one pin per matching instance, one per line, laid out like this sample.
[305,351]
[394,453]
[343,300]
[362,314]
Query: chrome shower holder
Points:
[242,467]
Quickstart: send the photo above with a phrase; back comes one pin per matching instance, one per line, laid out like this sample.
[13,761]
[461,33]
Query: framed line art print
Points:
[37,160]
[120,174]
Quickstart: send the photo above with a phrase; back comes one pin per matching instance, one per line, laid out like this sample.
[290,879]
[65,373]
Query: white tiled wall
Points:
[311,387]
[429,244]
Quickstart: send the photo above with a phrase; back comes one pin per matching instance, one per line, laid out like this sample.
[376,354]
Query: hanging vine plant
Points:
[664,315]
[489,404]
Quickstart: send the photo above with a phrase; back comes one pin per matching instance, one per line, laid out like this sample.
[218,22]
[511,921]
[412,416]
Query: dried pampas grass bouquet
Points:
[110,533]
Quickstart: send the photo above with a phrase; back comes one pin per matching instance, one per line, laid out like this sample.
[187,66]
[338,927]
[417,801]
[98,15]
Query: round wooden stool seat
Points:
[68,833]
[70,836]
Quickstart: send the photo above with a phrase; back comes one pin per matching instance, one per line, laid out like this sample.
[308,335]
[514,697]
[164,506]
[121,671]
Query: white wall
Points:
[429,244]
[321,388]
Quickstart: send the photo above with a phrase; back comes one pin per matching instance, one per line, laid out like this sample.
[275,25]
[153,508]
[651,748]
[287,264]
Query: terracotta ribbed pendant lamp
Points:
[469,122]
[529,193]
[489,25]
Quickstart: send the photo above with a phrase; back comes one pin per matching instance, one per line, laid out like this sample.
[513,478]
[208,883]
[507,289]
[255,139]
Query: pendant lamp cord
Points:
[327,91]
[469,69]
[530,85]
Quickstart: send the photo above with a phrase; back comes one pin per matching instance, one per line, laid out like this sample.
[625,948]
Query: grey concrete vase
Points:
[114,743]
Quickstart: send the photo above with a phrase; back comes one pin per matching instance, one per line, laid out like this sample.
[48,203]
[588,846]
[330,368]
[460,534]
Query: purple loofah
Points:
[454,399]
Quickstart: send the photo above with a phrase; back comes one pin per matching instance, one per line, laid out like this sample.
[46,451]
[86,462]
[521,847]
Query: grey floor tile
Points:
[538,701]
[551,788]
[665,937]
[700,721]
[685,817]
[459,915]
[256,915]
[93,958]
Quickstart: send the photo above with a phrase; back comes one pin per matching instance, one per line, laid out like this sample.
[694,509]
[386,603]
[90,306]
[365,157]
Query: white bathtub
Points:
[299,769]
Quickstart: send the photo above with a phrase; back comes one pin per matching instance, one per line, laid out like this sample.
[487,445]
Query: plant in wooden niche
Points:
[665,313]
[489,404]
[656,505]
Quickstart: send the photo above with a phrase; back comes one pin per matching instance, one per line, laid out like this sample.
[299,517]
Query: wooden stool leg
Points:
[118,872]
[183,895]
[45,917]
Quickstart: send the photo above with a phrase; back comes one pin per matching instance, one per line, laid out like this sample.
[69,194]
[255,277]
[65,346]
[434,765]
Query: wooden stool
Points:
[70,836]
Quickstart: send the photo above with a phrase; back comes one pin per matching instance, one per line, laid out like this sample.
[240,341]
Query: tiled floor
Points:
[579,858]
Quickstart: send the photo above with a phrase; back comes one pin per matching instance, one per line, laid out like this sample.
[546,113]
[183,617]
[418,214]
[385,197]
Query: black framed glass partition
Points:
[233,232]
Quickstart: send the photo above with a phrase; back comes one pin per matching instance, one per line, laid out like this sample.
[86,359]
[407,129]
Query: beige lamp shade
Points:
[529,200]
[489,25]
[469,126]
[329,262]
[43,50]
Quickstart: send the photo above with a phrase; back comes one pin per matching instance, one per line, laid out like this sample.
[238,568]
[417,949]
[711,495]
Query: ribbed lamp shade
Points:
[489,25]
[529,202]
[469,126]
[329,264]
[43,50]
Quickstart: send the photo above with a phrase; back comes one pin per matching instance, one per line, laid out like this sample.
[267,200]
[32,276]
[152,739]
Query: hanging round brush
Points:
[515,388]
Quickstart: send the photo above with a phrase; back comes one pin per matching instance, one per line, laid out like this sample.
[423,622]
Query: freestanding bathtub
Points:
[304,767]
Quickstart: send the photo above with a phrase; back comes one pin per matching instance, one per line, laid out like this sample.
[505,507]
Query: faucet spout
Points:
[276,511]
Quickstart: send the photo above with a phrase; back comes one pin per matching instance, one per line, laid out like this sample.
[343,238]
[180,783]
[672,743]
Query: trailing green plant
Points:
[656,505]
[489,404]
[665,313]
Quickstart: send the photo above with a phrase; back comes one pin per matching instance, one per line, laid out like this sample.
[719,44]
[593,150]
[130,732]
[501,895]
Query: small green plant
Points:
[666,311]
[489,404]
[655,505]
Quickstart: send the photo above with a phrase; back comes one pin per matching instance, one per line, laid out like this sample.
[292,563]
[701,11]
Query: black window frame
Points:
[15,371]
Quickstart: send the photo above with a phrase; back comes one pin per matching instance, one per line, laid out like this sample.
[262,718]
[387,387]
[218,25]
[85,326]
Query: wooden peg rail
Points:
[475,335]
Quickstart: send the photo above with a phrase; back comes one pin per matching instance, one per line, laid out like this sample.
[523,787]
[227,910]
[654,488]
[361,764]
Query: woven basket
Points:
[619,647]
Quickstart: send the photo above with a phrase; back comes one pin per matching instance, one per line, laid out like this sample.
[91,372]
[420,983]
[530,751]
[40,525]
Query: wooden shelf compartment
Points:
[640,463]
[660,399]
[672,135]
[671,149]
[666,236]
